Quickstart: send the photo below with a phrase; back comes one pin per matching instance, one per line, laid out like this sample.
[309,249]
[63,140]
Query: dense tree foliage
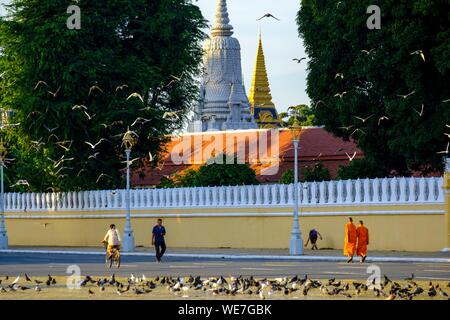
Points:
[317,172]
[75,92]
[386,88]
[302,112]
[226,172]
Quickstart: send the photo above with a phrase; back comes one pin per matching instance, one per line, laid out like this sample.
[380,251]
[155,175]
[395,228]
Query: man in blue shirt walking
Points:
[158,240]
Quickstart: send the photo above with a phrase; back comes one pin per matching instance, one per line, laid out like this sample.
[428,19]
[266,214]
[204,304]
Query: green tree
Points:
[360,168]
[318,172]
[387,89]
[69,88]
[287,177]
[218,171]
[302,113]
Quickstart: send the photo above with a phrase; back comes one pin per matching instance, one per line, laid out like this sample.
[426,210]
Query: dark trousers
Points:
[160,248]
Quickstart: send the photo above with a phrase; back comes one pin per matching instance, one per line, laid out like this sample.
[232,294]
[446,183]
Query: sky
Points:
[281,44]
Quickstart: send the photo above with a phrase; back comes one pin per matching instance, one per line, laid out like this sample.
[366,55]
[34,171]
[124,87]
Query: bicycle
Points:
[114,258]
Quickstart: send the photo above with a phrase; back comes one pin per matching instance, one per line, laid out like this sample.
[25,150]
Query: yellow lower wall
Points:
[405,232]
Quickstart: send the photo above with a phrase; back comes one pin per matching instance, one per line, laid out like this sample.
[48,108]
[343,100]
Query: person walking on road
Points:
[313,235]
[350,240]
[362,233]
[158,240]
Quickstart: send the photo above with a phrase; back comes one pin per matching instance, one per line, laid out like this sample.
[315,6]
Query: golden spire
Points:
[260,97]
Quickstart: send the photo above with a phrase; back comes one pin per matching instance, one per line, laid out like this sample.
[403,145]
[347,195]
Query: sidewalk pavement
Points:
[248,254]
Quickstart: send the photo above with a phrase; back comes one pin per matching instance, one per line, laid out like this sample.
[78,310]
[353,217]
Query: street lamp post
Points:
[296,242]
[128,235]
[3,234]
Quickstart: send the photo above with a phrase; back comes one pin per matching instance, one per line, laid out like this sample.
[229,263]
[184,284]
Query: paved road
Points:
[12,264]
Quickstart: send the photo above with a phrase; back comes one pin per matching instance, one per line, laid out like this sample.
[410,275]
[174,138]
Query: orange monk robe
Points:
[350,239]
[362,234]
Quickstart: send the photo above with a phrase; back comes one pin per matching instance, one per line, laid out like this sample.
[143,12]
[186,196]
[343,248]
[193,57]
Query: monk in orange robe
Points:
[350,240]
[362,233]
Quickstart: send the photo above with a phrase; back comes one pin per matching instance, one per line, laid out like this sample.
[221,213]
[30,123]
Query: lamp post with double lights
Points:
[3,234]
[296,241]
[128,243]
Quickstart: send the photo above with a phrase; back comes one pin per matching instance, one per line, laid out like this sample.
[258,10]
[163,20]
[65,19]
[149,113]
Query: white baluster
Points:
[55,201]
[349,191]
[13,201]
[258,193]
[340,192]
[303,190]
[440,183]
[251,195]
[403,196]
[61,200]
[187,197]
[323,192]
[332,194]
[411,182]
[180,195]
[123,198]
[367,190]
[273,194]
[33,202]
[28,201]
[80,202]
[32,206]
[434,192]
[208,197]
[160,198]
[395,192]
[282,190]
[359,196]
[194,192]
[385,190]
[244,198]
[201,194]
[422,190]
[221,196]
[235,196]
[290,194]
[69,200]
[314,190]
[266,196]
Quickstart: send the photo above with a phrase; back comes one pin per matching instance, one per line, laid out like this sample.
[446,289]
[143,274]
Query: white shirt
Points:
[113,238]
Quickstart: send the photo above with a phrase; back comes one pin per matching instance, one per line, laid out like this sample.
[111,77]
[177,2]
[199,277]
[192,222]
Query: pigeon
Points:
[268,15]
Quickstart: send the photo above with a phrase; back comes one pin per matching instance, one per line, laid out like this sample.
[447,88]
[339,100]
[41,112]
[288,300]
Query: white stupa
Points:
[223,103]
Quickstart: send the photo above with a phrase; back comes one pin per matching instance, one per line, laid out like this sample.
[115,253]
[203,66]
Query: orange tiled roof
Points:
[316,144]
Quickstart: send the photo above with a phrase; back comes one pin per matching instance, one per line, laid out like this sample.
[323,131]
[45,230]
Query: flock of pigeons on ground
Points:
[241,286]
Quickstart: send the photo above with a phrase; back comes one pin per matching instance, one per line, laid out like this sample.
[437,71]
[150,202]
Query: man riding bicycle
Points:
[112,238]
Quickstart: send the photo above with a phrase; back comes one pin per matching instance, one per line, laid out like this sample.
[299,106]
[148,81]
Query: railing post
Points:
[395,190]
[340,192]
[422,190]
[385,190]
[403,197]
[266,194]
[222,201]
